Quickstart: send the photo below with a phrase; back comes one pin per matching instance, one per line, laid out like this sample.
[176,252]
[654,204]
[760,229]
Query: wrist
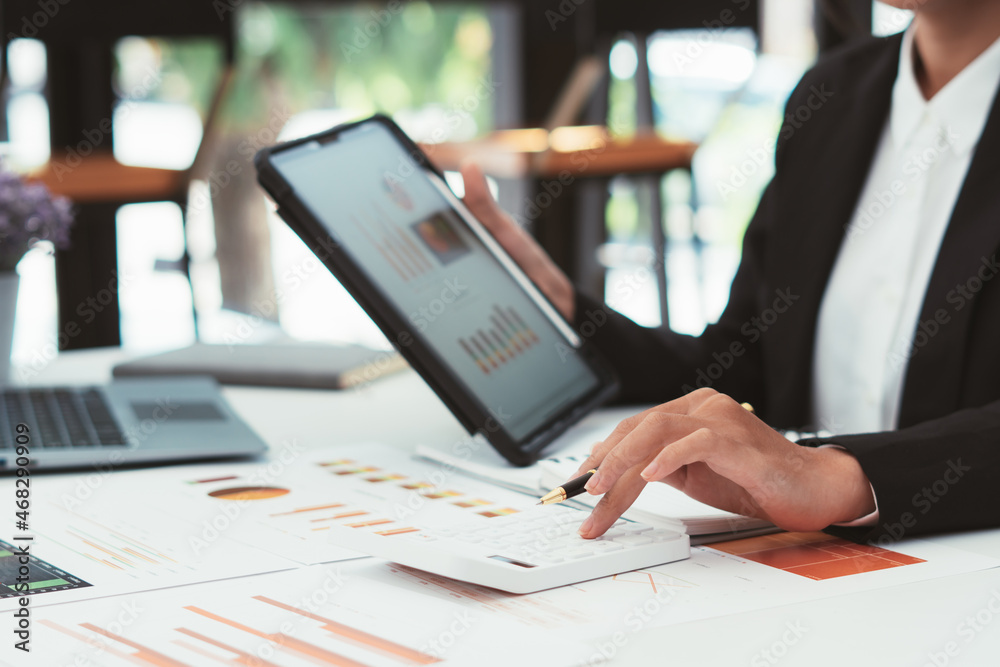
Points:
[851,491]
[564,297]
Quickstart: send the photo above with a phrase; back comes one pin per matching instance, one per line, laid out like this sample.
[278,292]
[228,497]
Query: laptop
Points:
[123,423]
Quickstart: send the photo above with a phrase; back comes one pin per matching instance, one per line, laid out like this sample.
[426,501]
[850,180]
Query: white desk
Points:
[904,625]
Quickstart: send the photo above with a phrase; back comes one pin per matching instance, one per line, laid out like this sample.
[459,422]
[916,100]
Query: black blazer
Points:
[941,469]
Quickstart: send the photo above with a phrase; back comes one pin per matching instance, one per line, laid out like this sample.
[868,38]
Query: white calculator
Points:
[528,551]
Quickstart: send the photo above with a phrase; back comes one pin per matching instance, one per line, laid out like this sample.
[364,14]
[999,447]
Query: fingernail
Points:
[586,525]
[591,483]
[652,471]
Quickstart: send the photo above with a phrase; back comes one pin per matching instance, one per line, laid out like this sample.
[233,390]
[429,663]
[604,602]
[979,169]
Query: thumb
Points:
[478,197]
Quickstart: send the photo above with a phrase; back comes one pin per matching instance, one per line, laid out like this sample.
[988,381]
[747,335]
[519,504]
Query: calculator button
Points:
[604,547]
[578,553]
[633,528]
[633,540]
[662,535]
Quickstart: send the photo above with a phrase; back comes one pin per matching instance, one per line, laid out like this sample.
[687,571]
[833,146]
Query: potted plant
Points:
[29,214]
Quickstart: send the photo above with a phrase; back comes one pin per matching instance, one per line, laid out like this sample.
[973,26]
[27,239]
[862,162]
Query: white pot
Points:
[8,304]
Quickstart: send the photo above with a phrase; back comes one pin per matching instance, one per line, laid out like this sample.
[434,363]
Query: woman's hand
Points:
[518,243]
[711,448]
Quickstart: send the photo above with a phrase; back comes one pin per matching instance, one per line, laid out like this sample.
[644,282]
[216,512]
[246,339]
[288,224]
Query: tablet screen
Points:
[395,220]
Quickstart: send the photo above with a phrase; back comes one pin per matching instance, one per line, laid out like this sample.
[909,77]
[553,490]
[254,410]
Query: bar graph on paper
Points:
[205,634]
[182,525]
[291,515]
[116,547]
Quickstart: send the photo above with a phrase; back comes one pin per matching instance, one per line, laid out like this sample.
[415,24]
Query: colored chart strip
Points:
[442,494]
[359,637]
[490,344]
[505,334]
[43,577]
[385,478]
[338,462]
[416,486]
[478,502]
[342,515]
[397,531]
[515,331]
[475,356]
[356,471]
[305,648]
[522,327]
[314,508]
[483,354]
[507,337]
[366,524]
[213,479]
[489,514]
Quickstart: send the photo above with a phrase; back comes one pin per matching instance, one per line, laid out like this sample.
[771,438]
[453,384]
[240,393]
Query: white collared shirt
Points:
[869,324]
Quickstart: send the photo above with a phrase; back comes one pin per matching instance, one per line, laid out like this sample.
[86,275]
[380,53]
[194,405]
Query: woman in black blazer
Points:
[939,468]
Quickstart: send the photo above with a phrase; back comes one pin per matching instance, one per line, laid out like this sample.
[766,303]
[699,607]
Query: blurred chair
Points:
[80,39]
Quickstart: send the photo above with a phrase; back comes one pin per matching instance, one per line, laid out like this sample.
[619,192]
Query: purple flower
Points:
[29,214]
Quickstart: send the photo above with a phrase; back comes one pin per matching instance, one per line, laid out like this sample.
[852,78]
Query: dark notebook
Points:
[310,365]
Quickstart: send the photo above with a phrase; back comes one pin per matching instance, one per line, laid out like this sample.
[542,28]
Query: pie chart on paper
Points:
[249,493]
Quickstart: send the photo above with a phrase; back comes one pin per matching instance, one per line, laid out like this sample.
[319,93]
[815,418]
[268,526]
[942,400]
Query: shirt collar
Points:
[961,107]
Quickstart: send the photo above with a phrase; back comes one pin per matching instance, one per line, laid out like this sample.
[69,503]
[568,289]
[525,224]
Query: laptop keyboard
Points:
[70,417]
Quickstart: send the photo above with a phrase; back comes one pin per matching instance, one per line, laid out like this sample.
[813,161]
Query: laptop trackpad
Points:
[192,411]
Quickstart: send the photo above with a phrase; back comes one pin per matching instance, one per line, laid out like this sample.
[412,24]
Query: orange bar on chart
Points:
[242,656]
[436,495]
[365,524]
[477,502]
[309,509]
[280,638]
[359,637]
[397,531]
[342,515]
[146,654]
[507,511]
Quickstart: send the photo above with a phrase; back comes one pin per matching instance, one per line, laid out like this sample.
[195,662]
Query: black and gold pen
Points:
[572,488]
